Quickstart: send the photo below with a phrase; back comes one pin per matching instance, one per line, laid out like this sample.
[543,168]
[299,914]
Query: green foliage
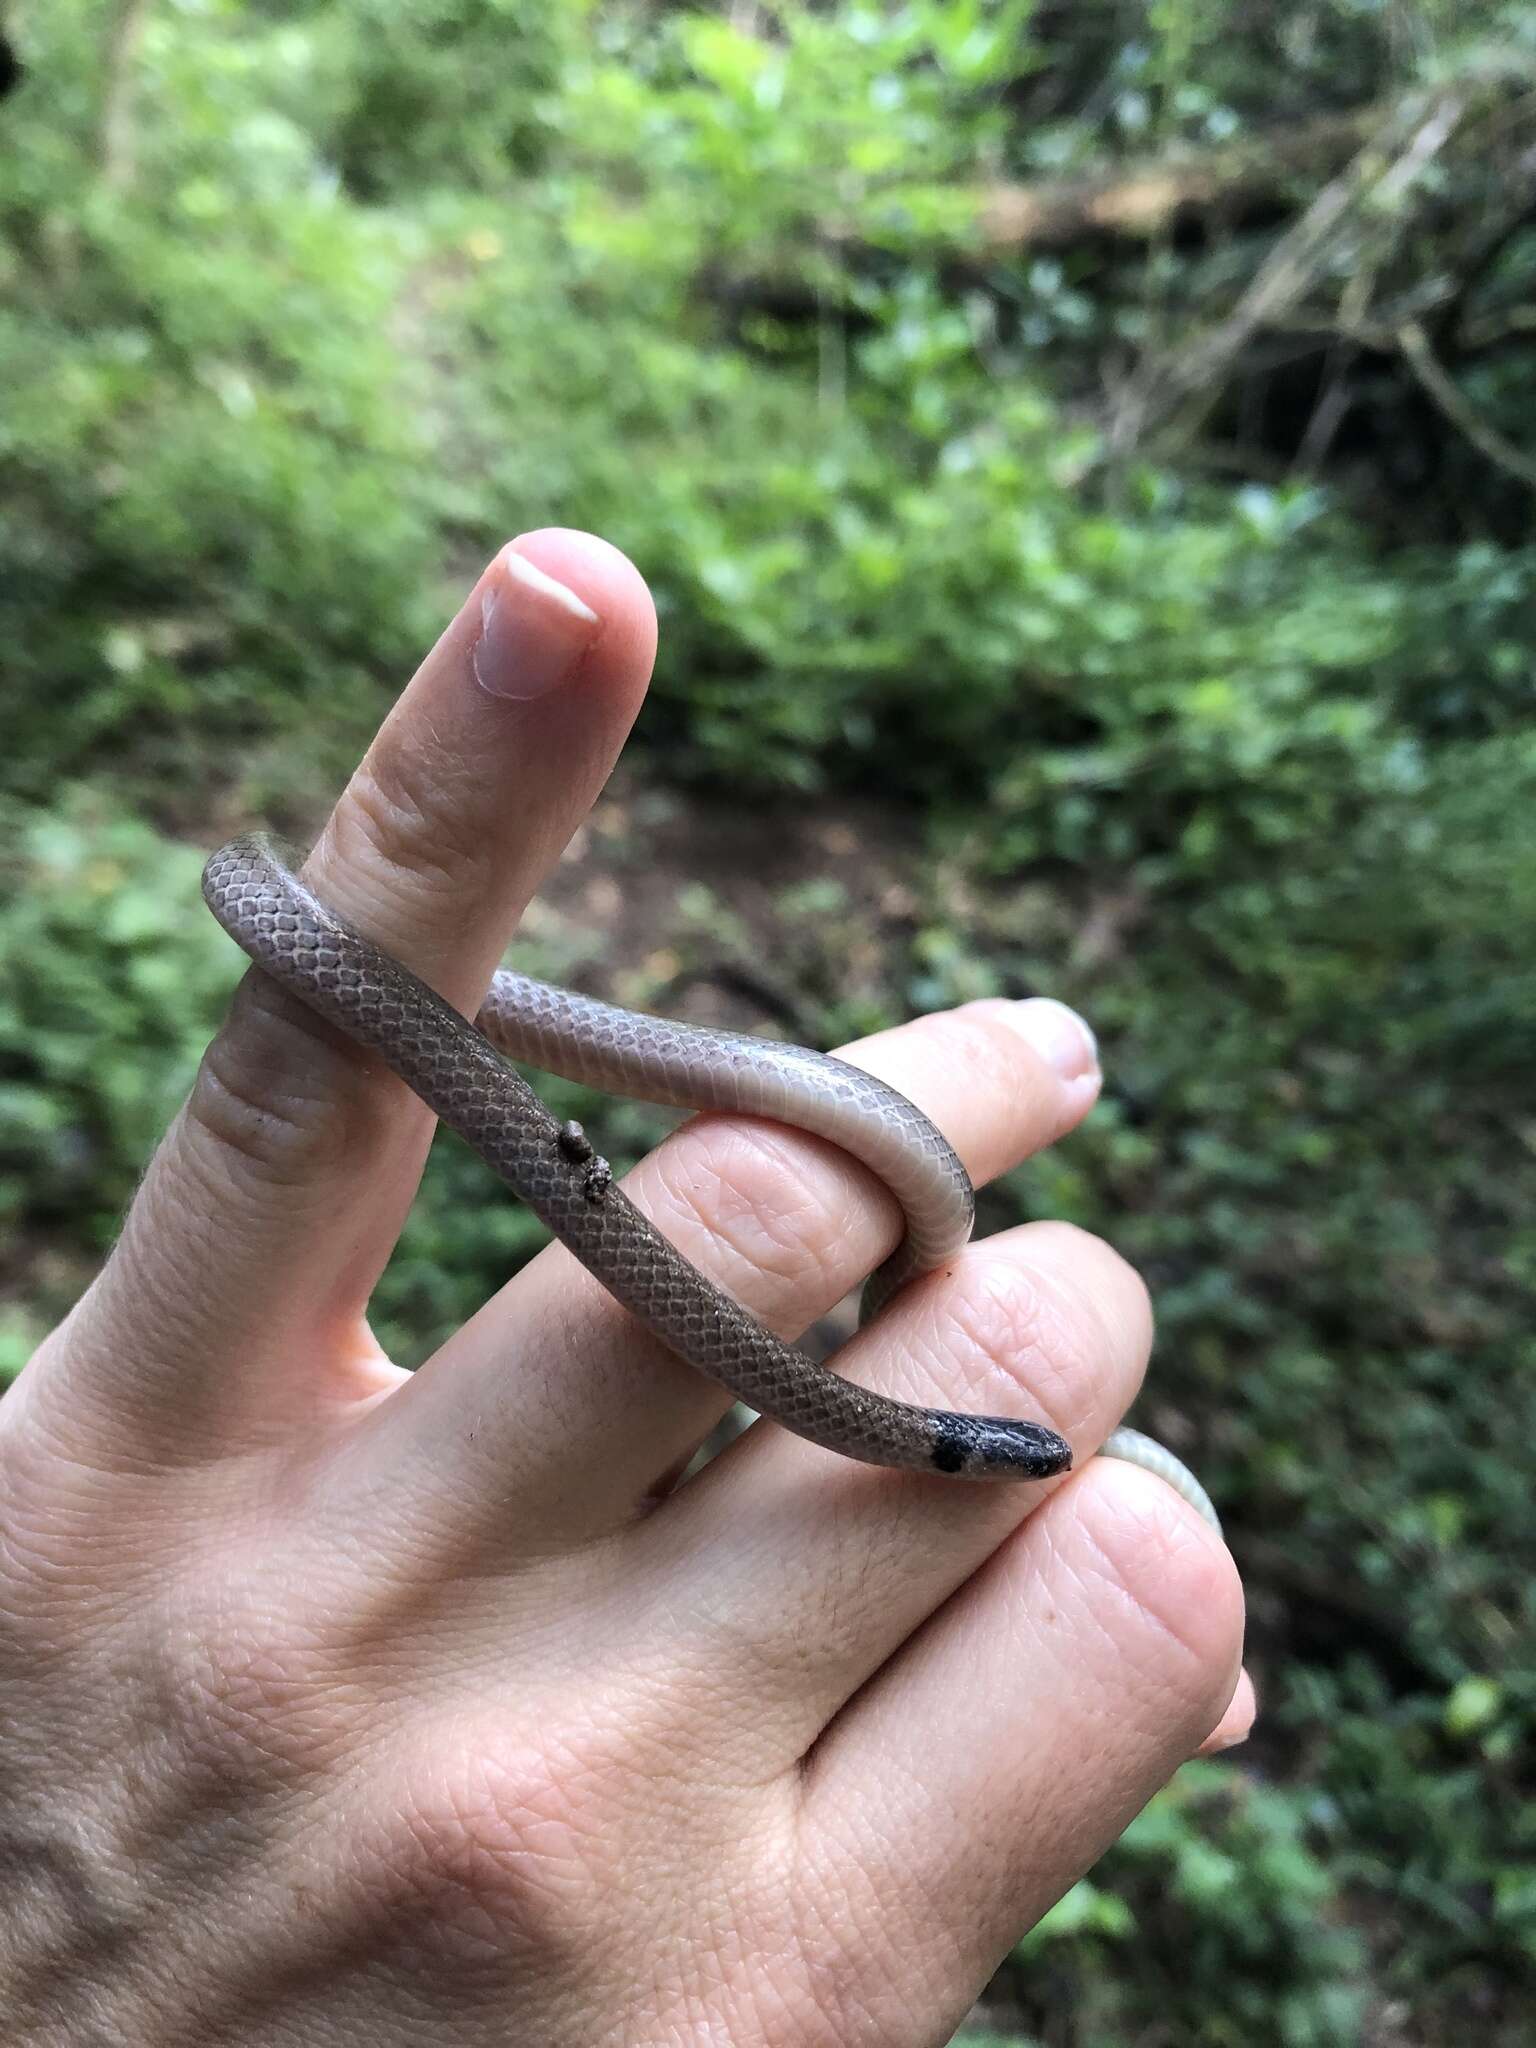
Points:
[453,91]
[1216,1881]
[307,305]
[111,978]
[207,415]
[1309,1149]
[20,1334]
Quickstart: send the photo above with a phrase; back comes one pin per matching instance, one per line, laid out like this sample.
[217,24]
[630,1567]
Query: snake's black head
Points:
[997,1447]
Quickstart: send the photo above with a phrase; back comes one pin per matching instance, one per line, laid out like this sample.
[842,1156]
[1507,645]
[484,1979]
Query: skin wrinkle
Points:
[949,1337]
[1092,1557]
[48,1478]
[172,1274]
[453,1522]
[53,1909]
[788,1645]
[493,1871]
[430,786]
[408,849]
[275,1957]
[754,1648]
[394,1622]
[744,1925]
[993,1322]
[206,1142]
[906,1807]
[854,2001]
[273,1949]
[258,1133]
[1162,1538]
[745,1190]
[566,1323]
[299,1053]
[677,1675]
[46,1418]
[824,1907]
[189,1432]
[411,1741]
[330,1643]
[259,1707]
[181,1285]
[571,1317]
[511,1821]
[1076,1289]
[228,1720]
[744,1768]
[115,1915]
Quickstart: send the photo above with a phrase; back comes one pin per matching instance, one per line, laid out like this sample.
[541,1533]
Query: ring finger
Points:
[1043,1321]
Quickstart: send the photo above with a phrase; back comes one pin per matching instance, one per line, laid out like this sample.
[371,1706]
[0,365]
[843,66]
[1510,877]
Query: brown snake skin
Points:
[689,1066]
[292,936]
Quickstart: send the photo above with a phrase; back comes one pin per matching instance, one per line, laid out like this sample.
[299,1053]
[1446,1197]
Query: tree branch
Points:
[117,140]
[1139,200]
[1379,176]
[1447,395]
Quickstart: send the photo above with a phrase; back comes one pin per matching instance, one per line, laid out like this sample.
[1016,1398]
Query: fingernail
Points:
[1058,1034]
[1236,1724]
[533,631]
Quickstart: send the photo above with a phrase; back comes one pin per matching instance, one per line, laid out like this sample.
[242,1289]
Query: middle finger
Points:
[578,1413]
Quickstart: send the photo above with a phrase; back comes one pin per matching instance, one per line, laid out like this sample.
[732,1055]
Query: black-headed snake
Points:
[458,1072]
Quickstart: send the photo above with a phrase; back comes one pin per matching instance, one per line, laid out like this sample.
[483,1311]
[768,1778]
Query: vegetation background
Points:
[1084,459]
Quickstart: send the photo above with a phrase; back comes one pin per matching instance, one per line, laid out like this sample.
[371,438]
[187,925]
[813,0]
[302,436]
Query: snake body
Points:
[458,1071]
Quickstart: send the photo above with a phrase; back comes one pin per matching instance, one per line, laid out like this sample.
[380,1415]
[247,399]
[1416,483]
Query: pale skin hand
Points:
[342,1707]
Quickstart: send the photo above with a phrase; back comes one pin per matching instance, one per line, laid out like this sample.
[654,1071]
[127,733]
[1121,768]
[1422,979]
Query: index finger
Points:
[233,1303]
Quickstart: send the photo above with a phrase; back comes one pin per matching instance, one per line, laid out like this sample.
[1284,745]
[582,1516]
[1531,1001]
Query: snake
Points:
[462,1071]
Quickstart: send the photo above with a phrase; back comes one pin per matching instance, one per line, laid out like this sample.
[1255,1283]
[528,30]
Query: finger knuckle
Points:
[423,837]
[1004,1321]
[992,1055]
[506,1848]
[747,1191]
[1103,1271]
[273,1097]
[1101,1300]
[1180,1583]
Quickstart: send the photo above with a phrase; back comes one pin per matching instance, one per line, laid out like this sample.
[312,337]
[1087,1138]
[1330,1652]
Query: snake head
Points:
[998,1447]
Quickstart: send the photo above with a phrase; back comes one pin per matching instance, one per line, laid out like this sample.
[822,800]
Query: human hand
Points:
[344,1705]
